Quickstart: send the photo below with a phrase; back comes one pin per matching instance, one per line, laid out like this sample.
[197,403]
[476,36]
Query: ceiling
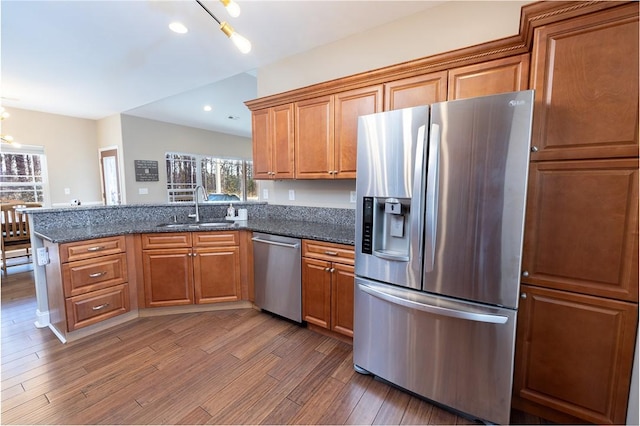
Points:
[93,59]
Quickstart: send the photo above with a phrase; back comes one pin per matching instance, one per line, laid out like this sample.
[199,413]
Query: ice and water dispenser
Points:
[386,227]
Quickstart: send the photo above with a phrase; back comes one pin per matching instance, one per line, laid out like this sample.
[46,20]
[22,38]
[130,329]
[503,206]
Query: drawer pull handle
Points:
[96,248]
[331,253]
[97,308]
[97,274]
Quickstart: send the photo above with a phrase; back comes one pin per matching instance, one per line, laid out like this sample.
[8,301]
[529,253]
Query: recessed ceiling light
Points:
[207,108]
[178,27]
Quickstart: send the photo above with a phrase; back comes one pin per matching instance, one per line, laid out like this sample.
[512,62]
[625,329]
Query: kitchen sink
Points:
[215,224]
[196,225]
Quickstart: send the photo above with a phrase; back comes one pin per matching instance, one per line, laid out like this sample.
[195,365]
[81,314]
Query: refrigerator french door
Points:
[446,332]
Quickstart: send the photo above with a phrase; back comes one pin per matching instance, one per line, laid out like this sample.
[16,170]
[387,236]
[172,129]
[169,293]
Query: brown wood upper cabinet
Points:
[415,91]
[489,78]
[273,143]
[585,73]
[326,130]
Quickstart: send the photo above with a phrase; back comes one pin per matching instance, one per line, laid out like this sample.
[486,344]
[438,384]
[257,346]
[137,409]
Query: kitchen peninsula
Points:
[93,274]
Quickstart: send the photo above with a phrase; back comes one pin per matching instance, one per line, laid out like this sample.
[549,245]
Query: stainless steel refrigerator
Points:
[441,196]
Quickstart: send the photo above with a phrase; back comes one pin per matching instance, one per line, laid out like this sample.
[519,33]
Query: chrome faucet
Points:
[196,215]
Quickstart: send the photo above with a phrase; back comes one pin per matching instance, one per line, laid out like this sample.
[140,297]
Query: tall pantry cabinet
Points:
[578,316]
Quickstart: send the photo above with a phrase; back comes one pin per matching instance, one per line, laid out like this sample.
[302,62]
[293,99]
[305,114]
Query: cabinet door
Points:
[581,231]
[216,274]
[342,286]
[348,107]
[585,73]
[261,135]
[314,138]
[282,150]
[316,292]
[574,354]
[489,78]
[415,91]
[168,277]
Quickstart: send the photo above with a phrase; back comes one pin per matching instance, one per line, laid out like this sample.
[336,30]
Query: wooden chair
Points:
[15,231]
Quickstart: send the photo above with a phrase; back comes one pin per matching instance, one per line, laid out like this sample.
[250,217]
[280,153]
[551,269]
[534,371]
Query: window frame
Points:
[40,189]
[178,192]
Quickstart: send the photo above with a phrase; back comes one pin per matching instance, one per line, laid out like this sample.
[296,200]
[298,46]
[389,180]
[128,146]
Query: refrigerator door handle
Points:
[431,208]
[437,310]
[418,185]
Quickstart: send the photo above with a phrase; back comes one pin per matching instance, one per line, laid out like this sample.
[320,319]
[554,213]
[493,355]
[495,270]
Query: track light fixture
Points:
[241,43]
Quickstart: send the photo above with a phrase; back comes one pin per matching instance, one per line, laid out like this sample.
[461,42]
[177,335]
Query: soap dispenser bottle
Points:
[231,212]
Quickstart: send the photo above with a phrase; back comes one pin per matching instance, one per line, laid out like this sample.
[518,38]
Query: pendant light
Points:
[241,42]
[232,7]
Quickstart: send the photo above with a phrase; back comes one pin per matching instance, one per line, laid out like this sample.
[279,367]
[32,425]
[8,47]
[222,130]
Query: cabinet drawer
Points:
[90,249]
[96,306]
[214,239]
[92,274]
[166,240]
[328,251]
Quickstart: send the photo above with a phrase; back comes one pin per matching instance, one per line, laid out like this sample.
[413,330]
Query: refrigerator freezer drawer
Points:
[455,353]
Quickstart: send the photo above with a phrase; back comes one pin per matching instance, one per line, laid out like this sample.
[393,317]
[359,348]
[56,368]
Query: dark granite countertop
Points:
[340,234]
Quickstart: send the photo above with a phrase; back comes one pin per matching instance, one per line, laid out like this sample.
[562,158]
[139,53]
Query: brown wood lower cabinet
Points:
[87,282]
[95,306]
[327,286]
[216,274]
[168,277]
[198,267]
[574,355]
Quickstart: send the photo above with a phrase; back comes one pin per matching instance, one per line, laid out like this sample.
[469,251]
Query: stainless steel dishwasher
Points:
[276,272]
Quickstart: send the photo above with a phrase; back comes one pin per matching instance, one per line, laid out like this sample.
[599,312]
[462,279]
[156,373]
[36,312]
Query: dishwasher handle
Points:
[275,243]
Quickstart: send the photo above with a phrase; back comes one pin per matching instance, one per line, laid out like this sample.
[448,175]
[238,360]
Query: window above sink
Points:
[226,180]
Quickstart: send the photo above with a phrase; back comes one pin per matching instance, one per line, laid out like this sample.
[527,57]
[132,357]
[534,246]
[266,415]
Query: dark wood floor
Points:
[225,367]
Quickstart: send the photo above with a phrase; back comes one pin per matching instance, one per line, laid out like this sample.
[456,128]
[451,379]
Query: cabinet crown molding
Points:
[531,16]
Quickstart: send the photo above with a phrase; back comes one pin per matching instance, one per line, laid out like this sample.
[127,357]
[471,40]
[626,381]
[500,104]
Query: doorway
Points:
[110,176]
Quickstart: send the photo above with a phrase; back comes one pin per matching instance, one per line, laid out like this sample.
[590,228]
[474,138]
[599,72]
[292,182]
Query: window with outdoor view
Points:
[224,179]
[21,177]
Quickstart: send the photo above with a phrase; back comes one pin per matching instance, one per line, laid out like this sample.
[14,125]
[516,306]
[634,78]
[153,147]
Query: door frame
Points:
[120,178]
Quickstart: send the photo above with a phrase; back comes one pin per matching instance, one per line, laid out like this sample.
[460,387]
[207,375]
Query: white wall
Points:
[452,25]
[145,139]
[70,145]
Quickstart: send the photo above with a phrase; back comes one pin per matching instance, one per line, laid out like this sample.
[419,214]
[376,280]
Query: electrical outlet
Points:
[143,191]
[292,195]
[265,194]
[352,197]
[42,255]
